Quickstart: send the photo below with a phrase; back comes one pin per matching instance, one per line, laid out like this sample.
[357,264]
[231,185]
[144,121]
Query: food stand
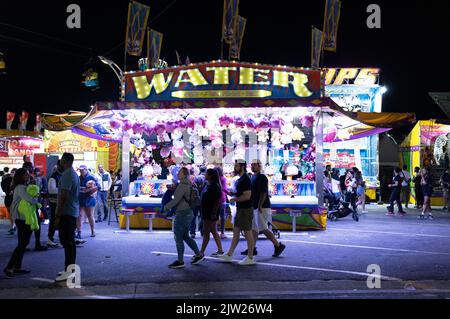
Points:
[215,113]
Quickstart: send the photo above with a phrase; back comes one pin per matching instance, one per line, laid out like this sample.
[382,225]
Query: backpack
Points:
[194,200]
[167,197]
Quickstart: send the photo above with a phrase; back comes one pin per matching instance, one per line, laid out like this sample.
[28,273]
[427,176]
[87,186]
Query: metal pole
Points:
[125,164]
[319,157]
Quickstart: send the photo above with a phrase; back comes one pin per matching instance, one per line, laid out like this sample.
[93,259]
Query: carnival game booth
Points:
[428,145]
[214,113]
[356,90]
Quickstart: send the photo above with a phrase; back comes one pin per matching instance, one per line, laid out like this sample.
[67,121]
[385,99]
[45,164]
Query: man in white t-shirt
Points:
[406,190]
[105,181]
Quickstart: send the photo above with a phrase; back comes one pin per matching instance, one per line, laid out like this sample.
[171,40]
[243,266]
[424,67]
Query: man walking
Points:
[244,215]
[67,212]
[262,211]
[105,181]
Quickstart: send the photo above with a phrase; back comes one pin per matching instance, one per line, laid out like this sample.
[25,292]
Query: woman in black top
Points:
[211,200]
[427,191]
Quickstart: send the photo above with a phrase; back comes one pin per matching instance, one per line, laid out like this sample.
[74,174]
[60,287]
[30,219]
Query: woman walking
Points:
[361,191]
[24,231]
[88,189]
[183,219]
[223,202]
[418,187]
[211,204]
[426,190]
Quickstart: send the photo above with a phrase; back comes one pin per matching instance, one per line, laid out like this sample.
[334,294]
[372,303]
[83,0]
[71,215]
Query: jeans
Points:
[223,217]
[102,200]
[395,197]
[193,227]
[67,226]
[181,225]
[23,239]
[51,226]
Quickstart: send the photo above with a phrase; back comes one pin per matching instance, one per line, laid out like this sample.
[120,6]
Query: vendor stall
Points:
[14,144]
[212,114]
[428,145]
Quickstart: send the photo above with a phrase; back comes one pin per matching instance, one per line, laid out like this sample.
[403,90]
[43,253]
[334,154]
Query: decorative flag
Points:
[230,10]
[178,57]
[235,46]
[10,116]
[188,61]
[136,26]
[2,64]
[154,41]
[38,126]
[331,24]
[316,47]
[23,120]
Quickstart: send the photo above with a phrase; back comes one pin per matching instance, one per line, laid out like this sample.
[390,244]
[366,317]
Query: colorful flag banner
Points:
[136,26]
[23,120]
[178,58]
[154,42]
[316,47]
[331,24]
[230,10]
[38,126]
[10,116]
[235,46]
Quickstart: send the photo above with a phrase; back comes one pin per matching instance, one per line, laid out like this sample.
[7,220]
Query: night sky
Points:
[44,75]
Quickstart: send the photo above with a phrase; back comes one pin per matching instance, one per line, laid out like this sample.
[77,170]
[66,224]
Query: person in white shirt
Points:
[105,181]
[53,182]
[406,190]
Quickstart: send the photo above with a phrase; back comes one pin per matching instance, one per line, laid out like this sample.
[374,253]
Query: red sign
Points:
[20,146]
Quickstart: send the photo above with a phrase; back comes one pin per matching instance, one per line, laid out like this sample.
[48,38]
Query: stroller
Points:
[341,208]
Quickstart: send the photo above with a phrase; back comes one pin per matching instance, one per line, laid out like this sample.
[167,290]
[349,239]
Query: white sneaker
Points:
[51,244]
[227,258]
[64,276]
[247,261]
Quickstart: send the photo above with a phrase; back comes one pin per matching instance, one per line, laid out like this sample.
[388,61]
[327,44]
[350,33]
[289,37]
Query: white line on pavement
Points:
[43,280]
[386,232]
[366,247]
[293,267]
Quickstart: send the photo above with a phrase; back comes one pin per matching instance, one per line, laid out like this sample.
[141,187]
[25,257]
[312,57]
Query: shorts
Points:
[261,221]
[244,219]
[426,191]
[88,202]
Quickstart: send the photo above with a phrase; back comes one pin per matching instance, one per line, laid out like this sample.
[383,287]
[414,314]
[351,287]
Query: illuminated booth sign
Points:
[222,80]
[355,76]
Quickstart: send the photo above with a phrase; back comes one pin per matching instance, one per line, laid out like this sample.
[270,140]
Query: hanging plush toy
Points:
[263,136]
[297,134]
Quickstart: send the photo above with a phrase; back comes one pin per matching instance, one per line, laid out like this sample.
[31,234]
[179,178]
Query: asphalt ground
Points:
[413,256]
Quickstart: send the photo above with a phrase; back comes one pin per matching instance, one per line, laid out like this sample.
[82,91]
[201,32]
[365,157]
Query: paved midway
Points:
[414,257]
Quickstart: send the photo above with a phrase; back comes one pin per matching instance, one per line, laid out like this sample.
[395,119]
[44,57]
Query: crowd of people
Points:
[66,200]
[205,193]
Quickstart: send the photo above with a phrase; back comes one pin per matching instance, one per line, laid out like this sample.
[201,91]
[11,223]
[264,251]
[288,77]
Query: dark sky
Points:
[44,75]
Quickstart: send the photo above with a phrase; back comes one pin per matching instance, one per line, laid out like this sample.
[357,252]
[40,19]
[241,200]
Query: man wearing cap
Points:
[244,214]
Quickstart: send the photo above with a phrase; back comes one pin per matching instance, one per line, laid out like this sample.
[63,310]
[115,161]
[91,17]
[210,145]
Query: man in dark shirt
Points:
[244,214]
[445,183]
[262,211]
[396,187]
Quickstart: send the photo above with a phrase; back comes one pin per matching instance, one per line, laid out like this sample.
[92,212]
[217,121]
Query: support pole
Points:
[319,157]
[125,164]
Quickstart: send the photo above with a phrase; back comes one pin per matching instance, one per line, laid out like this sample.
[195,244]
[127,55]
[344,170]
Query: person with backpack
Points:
[198,182]
[185,197]
[396,187]
[210,210]
[7,189]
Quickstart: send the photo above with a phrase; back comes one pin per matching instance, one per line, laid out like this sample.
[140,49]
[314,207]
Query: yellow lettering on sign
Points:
[195,78]
[330,76]
[367,77]
[248,76]
[345,74]
[221,74]
[143,88]
[297,80]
